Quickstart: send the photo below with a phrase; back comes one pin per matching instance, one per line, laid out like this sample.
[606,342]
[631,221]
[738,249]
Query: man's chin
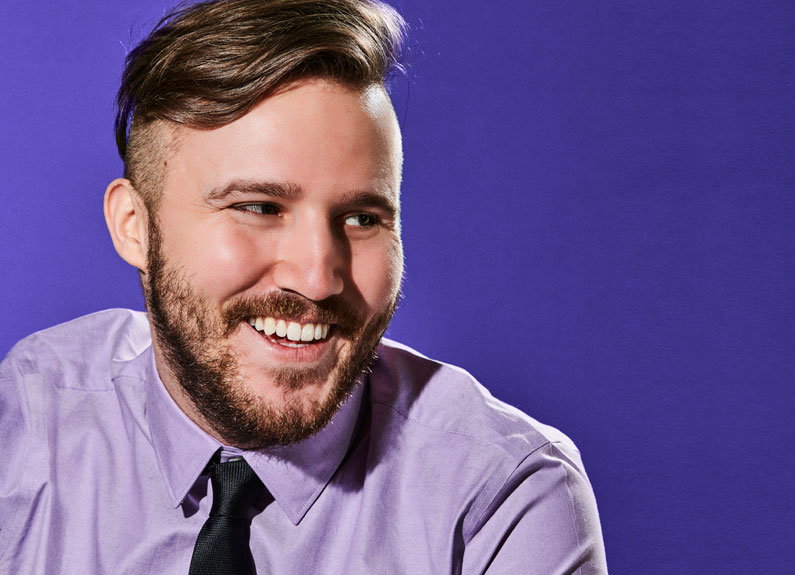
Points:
[293,388]
[268,414]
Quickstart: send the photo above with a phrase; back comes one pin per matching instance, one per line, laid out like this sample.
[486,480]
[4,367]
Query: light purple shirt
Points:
[421,471]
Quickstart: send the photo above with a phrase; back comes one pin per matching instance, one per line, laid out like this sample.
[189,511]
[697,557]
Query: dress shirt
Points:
[420,471]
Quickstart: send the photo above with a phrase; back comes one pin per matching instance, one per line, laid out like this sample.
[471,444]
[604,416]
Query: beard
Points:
[193,337]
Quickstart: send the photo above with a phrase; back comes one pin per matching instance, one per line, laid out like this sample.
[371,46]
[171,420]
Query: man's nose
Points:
[311,260]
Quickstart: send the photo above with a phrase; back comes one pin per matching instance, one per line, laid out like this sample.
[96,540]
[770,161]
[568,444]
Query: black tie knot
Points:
[222,545]
[235,488]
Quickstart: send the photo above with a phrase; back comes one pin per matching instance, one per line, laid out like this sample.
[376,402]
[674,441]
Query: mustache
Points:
[293,307]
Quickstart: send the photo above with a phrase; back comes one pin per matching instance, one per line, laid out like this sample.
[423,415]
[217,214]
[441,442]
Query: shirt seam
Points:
[479,520]
[572,514]
[26,373]
[450,431]
[86,389]
[6,527]
[7,531]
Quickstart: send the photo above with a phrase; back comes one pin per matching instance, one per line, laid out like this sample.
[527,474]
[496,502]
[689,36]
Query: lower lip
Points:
[306,352]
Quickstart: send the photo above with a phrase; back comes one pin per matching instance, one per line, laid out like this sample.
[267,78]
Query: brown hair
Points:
[207,64]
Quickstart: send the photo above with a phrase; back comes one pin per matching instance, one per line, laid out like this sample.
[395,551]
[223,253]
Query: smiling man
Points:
[254,420]
[273,258]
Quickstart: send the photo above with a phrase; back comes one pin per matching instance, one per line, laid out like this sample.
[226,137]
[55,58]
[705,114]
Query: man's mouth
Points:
[286,332]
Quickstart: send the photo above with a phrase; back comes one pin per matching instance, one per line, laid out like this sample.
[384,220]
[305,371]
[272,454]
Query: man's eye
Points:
[260,209]
[361,220]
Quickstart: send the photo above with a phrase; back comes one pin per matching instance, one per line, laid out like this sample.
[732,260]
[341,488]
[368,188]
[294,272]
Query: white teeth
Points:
[293,330]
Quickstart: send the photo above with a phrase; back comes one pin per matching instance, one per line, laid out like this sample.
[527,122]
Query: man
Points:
[245,424]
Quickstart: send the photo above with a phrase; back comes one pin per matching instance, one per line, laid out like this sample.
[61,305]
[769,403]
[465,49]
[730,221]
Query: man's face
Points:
[285,220]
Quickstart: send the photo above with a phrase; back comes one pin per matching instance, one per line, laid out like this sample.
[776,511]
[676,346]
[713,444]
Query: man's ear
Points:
[126,216]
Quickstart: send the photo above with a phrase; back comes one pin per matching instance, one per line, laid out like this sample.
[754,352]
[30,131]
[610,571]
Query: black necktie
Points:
[222,545]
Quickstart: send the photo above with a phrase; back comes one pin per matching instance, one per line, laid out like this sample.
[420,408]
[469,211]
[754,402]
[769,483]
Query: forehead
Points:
[317,134]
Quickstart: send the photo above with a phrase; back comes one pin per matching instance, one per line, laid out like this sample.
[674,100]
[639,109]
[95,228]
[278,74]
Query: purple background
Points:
[598,219]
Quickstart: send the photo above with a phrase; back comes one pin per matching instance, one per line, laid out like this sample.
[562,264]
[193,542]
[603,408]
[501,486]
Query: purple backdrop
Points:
[598,224]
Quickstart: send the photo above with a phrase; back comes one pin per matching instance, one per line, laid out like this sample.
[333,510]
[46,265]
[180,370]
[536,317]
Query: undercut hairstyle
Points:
[209,63]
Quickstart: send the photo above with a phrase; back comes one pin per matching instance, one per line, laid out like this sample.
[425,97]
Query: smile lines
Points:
[293,331]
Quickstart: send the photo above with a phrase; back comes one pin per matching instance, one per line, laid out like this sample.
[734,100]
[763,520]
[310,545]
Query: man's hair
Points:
[207,64]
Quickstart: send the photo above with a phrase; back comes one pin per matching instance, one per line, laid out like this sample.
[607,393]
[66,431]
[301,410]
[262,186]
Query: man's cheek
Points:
[377,274]
[393,274]
[230,263]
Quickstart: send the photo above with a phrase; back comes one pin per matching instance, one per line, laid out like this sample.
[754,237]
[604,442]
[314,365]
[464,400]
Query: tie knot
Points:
[235,487]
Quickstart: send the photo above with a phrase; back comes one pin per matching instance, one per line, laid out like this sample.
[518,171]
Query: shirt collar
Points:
[295,475]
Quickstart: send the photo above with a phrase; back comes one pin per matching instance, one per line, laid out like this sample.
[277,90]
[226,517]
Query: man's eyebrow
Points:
[368,199]
[289,191]
[283,190]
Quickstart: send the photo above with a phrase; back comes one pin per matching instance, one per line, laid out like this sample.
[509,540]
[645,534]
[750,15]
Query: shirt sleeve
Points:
[543,521]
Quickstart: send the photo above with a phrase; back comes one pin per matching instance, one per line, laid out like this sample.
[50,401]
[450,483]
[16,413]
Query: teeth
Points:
[293,331]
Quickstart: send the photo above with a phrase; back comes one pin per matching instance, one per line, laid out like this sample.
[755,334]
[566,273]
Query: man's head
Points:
[209,63]
[261,193]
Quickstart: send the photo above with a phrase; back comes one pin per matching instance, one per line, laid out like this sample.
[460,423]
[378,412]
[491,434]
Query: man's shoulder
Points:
[449,400]
[438,433]
[83,344]
[63,373]
[58,398]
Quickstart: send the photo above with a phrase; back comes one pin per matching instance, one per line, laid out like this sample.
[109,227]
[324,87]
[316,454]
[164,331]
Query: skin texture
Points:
[290,211]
